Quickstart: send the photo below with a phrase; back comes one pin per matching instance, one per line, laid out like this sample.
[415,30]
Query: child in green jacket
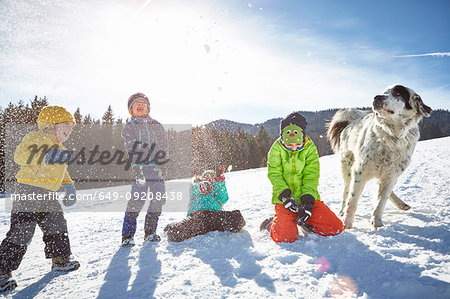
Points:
[293,170]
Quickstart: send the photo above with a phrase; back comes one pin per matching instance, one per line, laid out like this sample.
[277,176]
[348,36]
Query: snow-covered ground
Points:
[407,258]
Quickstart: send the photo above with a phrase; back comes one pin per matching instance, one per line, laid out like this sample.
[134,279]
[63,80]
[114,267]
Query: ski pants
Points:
[50,219]
[204,221]
[322,221]
[139,195]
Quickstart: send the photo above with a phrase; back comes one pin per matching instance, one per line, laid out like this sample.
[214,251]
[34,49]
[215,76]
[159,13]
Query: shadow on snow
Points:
[218,249]
[118,274]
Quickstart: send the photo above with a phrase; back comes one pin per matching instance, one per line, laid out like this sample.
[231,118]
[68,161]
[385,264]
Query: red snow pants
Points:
[323,222]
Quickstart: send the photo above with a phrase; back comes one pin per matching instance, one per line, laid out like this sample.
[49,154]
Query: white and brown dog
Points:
[376,145]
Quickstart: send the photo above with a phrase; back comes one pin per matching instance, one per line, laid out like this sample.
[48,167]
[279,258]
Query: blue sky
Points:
[200,60]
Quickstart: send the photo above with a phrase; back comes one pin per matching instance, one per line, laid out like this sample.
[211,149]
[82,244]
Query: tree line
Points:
[190,151]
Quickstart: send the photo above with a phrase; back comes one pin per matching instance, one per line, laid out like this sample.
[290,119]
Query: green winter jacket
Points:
[297,171]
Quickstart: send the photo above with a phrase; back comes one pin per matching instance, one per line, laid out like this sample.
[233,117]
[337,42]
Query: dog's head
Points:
[399,101]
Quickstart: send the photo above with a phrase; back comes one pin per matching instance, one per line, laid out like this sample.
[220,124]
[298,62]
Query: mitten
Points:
[305,210]
[289,202]
[221,176]
[70,198]
[206,187]
[159,172]
[138,175]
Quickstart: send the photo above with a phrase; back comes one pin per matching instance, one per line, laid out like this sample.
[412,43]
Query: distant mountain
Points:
[316,124]
[437,125]
[316,127]
[224,124]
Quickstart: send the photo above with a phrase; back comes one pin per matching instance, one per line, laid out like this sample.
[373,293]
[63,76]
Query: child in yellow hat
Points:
[43,170]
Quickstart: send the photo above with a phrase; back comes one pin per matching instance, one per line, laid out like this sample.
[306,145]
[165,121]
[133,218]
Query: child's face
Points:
[293,146]
[292,134]
[63,130]
[139,109]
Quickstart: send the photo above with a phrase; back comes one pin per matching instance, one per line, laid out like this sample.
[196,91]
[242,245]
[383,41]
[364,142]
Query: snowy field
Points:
[407,258]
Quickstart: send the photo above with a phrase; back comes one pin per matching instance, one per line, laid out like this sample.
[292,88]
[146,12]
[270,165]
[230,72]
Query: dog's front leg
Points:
[347,160]
[356,187]
[347,179]
[384,191]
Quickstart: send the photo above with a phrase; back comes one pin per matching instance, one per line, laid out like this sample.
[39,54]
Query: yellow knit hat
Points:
[54,115]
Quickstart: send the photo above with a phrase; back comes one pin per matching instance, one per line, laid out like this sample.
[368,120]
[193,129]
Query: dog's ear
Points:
[421,108]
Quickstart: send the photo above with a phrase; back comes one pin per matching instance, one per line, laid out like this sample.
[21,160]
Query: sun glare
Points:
[180,55]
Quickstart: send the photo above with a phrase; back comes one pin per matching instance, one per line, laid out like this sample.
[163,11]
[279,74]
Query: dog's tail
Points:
[339,122]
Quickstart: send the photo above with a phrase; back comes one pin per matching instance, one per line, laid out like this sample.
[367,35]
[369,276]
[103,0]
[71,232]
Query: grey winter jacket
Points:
[145,141]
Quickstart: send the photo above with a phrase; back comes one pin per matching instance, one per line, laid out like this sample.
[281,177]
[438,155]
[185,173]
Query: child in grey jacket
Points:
[144,138]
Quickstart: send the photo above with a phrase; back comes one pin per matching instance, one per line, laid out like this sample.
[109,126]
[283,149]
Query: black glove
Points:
[289,202]
[305,210]
[138,175]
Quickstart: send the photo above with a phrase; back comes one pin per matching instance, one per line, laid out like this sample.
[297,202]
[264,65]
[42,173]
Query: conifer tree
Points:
[108,117]
[78,117]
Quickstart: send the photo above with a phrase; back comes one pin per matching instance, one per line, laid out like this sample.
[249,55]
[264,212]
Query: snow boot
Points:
[265,225]
[127,240]
[6,283]
[306,229]
[151,237]
[64,264]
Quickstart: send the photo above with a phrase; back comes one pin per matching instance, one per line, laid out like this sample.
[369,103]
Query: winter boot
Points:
[127,240]
[265,225]
[151,237]
[6,283]
[64,264]
[306,228]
